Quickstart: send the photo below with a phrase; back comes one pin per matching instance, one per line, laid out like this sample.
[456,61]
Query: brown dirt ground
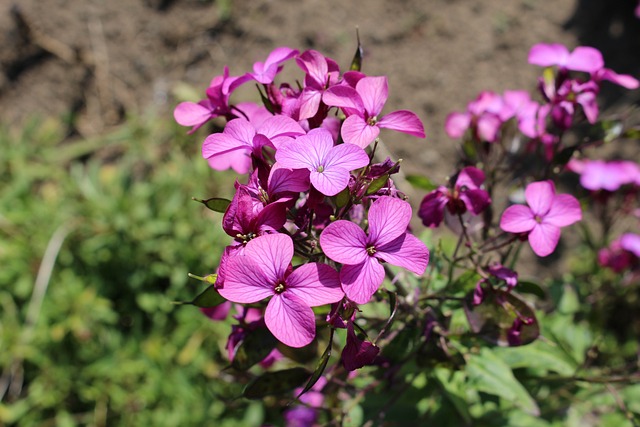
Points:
[92,62]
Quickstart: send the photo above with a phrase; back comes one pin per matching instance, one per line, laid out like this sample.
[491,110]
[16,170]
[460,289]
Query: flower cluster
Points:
[299,239]
[316,223]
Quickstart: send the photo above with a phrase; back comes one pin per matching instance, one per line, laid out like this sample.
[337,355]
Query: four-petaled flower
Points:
[360,253]
[466,196]
[363,105]
[542,219]
[329,166]
[263,271]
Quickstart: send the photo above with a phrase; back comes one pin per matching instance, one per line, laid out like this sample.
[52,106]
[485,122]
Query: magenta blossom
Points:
[263,271]
[466,196]
[357,353]
[582,58]
[346,243]
[265,72]
[329,166]
[233,147]
[321,72]
[542,219]
[363,105]
[216,104]
[601,175]
[482,117]
[622,253]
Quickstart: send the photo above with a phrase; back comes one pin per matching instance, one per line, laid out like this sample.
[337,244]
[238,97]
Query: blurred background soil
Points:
[93,62]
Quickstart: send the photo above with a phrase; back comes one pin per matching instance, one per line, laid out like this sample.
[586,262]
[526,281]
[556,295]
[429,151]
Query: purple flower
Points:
[346,243]
[321,72]
[622,253]
[482,117]
[263,271]
[246,218]
[582,58]
[329,166]
[542,219]
[362,106]
[233,147]
[357,353]
[265,72]
[601,175]
[466,196]
[216,104]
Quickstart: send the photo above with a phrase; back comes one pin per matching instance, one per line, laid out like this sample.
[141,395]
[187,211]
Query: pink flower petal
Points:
[218,144]
[546,55]
[476,200]
[283,179]
[585,59]
[238,160]
[273,253]
[631,242]
[309,102]
[544,238]
[245,281]
[356,131]
[517,219]
[361,281]
[346,156]
[565,210]
[539,196]
[330,181]
[305,152]
[344,242]
[407,251]
[432,207]
[357,353]
[470,177]
[403,121]
[314,64]
[489,127]
[344,97]
[388,219]
[457,124]
[290,320]
[191,114]
[315,284]
[374,92]
[279,55]
[623,80]
[280,129]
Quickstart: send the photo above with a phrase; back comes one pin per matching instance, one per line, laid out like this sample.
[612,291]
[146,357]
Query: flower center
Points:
[371,249]
[245,237]
[320,169]
[371,121]
[538,219]
[279,288]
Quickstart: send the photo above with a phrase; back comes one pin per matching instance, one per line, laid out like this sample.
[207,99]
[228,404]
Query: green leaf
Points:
[465,282]
[320,367]
[216,204]
[532,288]
[275,383]
[492,375]
[377,184]
[540,356]
[493,318]
[342,198]
[256,345]
[452,385]
[421,182]
[210,297]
